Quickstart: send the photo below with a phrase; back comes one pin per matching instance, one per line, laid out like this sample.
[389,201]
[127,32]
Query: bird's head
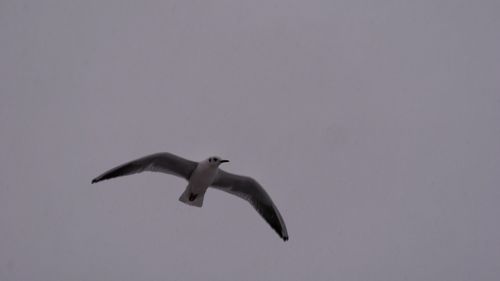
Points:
[215,161]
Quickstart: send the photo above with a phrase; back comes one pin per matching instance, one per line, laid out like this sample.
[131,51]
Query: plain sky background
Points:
[374,126]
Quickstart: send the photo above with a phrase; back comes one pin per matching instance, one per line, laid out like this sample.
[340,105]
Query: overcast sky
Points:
[374,126]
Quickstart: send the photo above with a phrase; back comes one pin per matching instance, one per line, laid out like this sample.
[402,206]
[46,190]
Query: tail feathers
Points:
[191,198]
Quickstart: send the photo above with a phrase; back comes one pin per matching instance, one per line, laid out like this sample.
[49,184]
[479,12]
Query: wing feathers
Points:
[251,191]
[159,162]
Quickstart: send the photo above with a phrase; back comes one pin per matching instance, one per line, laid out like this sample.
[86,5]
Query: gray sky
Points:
[374,125]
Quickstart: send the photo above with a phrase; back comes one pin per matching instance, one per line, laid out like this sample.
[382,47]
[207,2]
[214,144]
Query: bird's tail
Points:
[191,198]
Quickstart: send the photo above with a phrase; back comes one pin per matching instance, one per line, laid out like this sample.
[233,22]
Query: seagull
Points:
[200,176]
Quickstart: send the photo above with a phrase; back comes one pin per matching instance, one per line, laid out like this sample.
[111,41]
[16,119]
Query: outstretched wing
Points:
[159,162]
[250,190]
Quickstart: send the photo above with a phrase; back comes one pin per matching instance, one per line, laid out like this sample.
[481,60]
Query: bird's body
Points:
[200,176]
[203,176]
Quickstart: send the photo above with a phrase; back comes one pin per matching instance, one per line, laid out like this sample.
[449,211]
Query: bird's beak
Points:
[224,161]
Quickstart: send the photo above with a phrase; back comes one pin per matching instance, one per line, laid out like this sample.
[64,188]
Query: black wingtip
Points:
[285,238]
[94,181]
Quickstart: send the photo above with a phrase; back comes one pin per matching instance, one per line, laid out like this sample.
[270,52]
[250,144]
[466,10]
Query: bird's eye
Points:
[209,159]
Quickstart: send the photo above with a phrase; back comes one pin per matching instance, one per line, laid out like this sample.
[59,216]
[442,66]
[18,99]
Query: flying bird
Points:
[200,176]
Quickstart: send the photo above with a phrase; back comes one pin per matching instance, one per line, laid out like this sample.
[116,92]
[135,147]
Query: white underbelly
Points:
[201,180]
